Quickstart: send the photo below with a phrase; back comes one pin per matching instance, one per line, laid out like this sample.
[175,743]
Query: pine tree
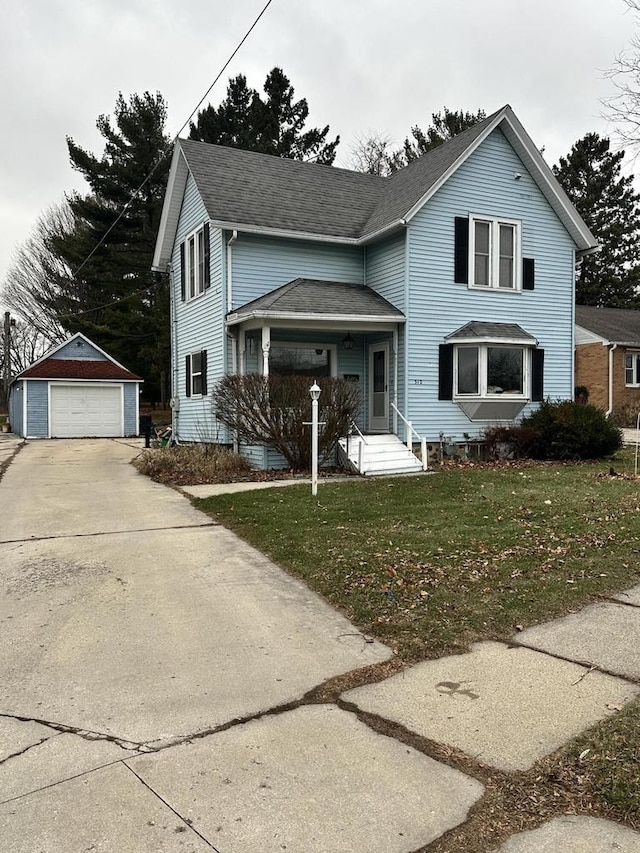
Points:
[590,175]
[271,125]
[110,293]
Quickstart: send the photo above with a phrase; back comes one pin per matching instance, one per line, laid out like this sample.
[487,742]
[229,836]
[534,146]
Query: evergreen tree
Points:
[590,175]
[271,125]
[110,293]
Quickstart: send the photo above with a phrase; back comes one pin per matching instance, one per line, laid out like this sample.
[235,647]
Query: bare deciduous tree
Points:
[624,107]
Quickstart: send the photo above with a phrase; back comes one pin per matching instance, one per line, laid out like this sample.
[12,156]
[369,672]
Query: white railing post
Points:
[360,455]
[423,450]
[409,441]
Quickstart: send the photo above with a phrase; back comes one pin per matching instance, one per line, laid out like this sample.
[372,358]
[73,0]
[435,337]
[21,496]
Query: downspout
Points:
[609,411]
[230,242]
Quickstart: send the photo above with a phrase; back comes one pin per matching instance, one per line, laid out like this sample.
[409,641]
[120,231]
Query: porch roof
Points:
[479,332]
[313,299]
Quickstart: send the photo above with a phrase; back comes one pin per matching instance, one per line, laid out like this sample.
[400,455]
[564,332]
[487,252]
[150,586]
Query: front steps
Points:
[381,454]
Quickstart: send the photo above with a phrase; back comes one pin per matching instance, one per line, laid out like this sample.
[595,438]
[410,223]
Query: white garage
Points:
[76,390]
[81,410]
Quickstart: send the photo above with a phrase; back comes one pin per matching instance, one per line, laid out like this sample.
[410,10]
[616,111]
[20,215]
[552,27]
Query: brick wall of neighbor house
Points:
[592,371]
[626,401]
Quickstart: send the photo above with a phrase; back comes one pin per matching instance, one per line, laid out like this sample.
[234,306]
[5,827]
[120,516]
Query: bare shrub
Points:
[193,464]
[273,411]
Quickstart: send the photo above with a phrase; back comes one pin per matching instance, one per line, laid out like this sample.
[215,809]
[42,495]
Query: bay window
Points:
[486,370]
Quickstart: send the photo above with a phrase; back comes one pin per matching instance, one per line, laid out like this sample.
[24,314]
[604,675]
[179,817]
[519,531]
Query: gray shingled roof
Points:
[491,331]
[312,296]
[246,188]
[618,325]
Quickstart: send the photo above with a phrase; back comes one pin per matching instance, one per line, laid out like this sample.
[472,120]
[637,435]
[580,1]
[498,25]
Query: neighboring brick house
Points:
[608,358]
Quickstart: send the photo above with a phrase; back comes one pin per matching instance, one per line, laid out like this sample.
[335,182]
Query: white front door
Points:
[379,388]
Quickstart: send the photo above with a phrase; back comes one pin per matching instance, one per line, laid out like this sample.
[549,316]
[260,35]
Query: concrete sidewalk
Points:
[163,686]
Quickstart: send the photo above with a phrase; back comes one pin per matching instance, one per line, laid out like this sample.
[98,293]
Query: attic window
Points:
[195,263]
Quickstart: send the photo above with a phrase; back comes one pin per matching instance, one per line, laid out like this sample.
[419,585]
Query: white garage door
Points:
[79,411]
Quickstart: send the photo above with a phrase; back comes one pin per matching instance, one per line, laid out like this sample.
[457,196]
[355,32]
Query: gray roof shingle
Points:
[618,325]
[312,296]
[246,188]
[491,331]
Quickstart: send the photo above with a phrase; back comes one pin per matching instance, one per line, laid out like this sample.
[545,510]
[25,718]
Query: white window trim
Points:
[635,354]
[483,347]
[494,256]
[199,284]
[332,348]
[192,374]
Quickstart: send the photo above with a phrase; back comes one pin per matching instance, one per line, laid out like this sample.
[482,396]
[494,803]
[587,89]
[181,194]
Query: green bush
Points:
[566,430]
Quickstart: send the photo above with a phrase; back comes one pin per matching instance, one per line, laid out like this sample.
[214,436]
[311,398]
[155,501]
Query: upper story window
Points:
[194,263]
[632,368]
[494,253]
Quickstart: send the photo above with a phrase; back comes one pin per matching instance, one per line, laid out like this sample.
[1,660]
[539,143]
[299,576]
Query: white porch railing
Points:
[409,433]
[363,441]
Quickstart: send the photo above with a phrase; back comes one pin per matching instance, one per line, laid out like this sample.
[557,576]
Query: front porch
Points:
[329,329]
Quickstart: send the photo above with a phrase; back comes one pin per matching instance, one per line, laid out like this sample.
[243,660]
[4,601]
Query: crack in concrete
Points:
[27,748]
[188,823]
[85,734]
[108,533]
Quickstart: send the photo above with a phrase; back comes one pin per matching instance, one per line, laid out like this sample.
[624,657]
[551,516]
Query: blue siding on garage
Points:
[37,391]
[16,401]
[437,306]
[80,349]
[130,403]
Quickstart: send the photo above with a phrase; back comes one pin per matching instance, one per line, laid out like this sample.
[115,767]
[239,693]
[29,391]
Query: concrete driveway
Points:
[132,626]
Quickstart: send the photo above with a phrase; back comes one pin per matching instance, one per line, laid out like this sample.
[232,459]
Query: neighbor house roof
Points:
[616,325]
[71,368]
[480,332]
[258,193]
[306,297]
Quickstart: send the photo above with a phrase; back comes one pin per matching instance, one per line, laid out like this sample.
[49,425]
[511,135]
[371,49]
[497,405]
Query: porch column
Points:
[394,346]
[266,346]
[242,352]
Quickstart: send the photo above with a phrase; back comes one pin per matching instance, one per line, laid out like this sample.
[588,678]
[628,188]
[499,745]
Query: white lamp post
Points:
[314,392]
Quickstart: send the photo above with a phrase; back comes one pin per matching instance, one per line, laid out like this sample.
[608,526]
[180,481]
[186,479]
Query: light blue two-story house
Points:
[446,290]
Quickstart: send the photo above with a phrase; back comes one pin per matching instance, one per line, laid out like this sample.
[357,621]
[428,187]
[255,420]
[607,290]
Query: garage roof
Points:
[71,368]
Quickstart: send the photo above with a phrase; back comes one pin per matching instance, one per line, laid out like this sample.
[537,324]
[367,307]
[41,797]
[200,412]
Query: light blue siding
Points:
[37,391]
[261,264]
[437,306]
[130,402]
[386,266]
[16,400]
[79,349]
[199,326]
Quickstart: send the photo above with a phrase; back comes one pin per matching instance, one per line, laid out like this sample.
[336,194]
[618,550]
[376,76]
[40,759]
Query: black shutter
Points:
[461,251]
[445,372]
[528,273]
[203,368]
[183,274]
[537,375]
[187,371]
[207,257]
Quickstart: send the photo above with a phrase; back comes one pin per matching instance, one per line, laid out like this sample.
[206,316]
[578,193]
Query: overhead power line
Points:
[163,154]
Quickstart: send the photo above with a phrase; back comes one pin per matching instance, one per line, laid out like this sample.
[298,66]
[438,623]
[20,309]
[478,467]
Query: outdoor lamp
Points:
[314,391]
[347,342]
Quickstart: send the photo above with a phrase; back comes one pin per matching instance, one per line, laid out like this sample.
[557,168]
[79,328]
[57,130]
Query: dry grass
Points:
[192,465]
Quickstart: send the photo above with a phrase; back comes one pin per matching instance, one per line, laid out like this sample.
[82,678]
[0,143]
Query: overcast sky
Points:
[363,65]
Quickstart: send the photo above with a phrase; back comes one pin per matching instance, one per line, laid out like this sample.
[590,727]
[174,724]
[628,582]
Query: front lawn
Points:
[430,564]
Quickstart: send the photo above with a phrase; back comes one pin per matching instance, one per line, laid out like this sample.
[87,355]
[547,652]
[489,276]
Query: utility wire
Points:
[163,154]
